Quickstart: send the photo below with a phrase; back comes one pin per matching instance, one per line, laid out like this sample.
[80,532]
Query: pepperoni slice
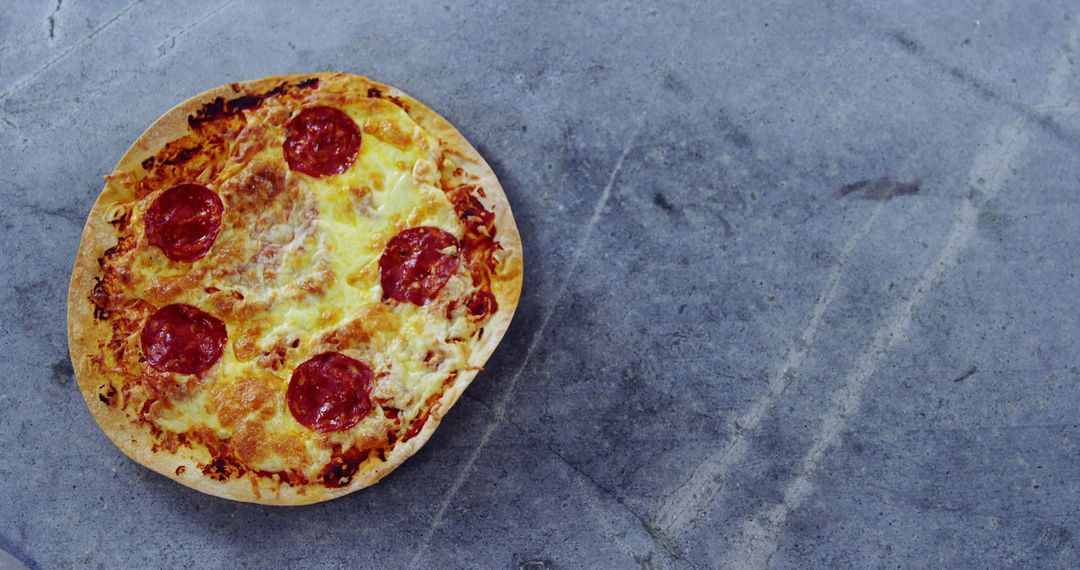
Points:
[321,141]
[181,338]
[330,392]
[417,263]
[184,221]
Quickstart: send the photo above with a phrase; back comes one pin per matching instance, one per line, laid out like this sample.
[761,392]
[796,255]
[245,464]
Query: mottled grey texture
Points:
[694,182]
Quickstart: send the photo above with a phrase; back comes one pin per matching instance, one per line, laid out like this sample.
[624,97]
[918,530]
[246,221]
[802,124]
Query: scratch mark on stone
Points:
[728,230]
[1032,114]
[170,42]
[687,503]
[1067,108]
[758,537]
[63,213]
[500,408]
[885,189]
[52,18]
[967,374]
[67,51]
[580,477]
[583,476]
[667,547]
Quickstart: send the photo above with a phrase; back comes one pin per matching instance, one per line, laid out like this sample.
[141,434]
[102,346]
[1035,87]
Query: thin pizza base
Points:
[85,333]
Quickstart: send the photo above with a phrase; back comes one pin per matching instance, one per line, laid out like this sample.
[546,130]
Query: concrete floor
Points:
[801,286]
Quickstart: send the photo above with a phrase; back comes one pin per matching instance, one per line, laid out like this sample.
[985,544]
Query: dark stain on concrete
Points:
[537,564]
[729,231]
[674,84]
[61,372]
[662,202]
[905,42]
[882,189]
[994,220]
[967,374]
[29,297]
[1051,540]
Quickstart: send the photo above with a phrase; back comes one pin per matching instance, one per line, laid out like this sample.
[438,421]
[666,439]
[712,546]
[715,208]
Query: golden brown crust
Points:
[85,333]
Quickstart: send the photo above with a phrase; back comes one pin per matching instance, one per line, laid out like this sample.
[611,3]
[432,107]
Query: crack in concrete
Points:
[500,409]
[62,213]
[52,18]
[758,539]
[982,88]
[170,42]
[66,52]
[683,506]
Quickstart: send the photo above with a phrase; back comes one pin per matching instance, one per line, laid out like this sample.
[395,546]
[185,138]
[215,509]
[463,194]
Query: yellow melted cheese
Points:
[388,188]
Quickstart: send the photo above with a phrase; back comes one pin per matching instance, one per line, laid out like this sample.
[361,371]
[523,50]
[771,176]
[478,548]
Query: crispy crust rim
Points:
[85,333]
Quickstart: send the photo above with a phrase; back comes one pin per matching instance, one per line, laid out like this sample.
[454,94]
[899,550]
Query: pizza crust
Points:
[85,332]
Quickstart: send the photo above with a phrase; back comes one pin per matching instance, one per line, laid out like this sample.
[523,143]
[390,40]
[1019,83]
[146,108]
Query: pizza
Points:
[286,283]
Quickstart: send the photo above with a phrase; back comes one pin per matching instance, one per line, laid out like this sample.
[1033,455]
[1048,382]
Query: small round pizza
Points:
[286,284]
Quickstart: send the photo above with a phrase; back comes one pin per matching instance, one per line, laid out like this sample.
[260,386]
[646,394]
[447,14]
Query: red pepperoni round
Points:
[330,392]
[417,263]
[184,221]
[180,338]
[321,141]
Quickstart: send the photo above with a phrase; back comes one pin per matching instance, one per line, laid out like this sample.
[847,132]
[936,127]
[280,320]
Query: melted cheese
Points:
[315,271]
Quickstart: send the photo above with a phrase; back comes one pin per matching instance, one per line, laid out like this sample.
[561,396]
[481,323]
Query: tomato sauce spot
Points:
[417,425]
[343,466]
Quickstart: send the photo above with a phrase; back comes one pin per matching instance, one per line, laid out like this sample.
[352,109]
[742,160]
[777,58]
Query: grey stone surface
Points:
[720,358]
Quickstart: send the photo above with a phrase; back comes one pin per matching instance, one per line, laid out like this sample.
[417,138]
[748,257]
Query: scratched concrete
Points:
[666,397]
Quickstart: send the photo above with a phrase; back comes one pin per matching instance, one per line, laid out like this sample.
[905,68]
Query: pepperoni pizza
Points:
[286,284]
